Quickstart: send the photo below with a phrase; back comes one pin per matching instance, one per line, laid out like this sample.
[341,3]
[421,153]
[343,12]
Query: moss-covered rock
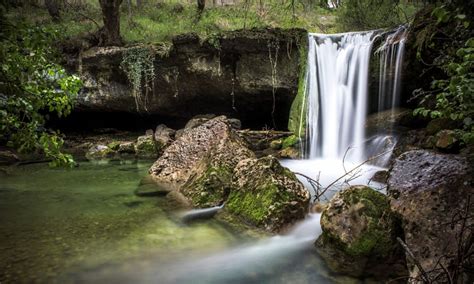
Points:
[297,118]
[266,194]
[100,152]
[145,147]
[290,141]
[359,228]
[289,153]
[447,140]
[359,220]
[210,188]
[276,144]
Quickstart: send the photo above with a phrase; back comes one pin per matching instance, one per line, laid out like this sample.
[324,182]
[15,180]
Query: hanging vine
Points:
[138,65]
[273,65]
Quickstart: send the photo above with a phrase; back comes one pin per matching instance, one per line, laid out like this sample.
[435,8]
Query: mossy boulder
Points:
[266,194]
[447,140]
[359,229]
[100,152]
[359,220]
[145,147]
[163,136]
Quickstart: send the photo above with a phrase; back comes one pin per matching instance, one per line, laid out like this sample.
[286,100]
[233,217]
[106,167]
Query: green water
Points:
[57,220]
[85,225]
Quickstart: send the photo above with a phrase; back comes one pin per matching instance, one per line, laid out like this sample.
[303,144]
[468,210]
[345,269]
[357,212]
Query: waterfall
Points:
[337,87]
[391,55]
[336,107]
[337,80]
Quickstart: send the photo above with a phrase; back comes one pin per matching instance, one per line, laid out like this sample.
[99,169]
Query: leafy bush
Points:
[32,86]
[452,96]
[372,14]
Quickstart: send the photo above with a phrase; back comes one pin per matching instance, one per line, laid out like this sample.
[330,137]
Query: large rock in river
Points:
[267,194]
[431,192]
[359,234]
[201,161]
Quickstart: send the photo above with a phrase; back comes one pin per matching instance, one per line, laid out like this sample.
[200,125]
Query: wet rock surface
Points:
[267,194]
[359,234]
[428,190]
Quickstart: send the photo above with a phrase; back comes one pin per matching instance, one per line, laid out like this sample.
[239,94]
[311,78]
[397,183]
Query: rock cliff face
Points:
[245,74]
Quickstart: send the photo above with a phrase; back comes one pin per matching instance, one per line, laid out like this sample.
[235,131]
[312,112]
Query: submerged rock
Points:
[359,234]
[267,194]
[430,192]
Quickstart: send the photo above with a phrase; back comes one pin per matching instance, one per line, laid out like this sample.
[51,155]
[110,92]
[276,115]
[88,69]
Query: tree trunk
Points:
[110,33]
[53,9]
[201,5]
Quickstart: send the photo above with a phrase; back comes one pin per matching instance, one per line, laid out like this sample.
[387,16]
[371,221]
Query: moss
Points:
[290,141]
[114,145]
[255,204]
[146,147]
[211,188]
[377,238]
[297,119]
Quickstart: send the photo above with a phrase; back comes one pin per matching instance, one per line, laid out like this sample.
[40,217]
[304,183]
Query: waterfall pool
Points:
[85,225]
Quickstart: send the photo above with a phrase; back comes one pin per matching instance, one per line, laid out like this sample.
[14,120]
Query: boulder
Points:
[192,162]
[359,233]
[198,120]
[446,140]
[266,194]
[276,144]
[145,147]
[289,153]
[100,152]
[8,157]
[164,136]
[126,148]
[430,191]
[438,124]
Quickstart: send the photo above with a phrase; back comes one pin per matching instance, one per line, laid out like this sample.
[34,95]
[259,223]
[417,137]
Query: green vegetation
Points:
[374,14]
[138,64]
[161,21]
[211,188]
[451,95]
[33,87]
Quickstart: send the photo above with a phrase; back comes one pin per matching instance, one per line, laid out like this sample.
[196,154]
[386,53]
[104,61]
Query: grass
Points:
[159,22]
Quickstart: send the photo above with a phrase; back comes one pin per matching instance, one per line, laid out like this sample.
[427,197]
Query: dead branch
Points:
[423,275]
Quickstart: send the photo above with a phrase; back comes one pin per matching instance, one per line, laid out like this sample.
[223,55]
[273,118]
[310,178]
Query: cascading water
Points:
[337,99]
[337,85]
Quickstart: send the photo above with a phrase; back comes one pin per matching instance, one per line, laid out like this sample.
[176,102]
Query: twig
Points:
[423,275]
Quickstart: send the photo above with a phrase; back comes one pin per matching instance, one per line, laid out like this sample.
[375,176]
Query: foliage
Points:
[453,95]
[373,14]
[32,86]
[138,64]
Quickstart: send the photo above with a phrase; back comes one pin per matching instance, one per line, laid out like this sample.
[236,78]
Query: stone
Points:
[100,152]
[198,120]
[359,231]
[8,157]
[164,136]
[429,190]
[380,176]
[190,164]
[289,153]
[126,148]
[179,91]
[266,194]
[438,124]
[389,118]
[446,140]
[149,132]
[145,147]
[276,144]
[235,123]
